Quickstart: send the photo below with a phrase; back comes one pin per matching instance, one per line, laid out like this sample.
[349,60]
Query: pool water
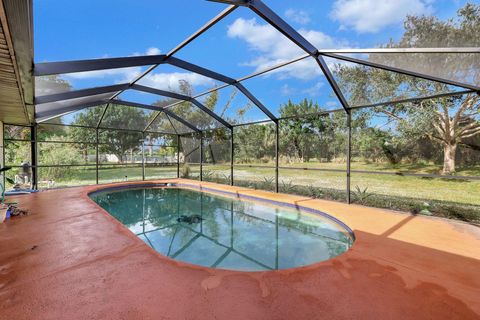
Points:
[223,232]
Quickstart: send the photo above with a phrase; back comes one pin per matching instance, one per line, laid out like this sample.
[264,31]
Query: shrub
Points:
[185,172]
[54,154]
[452,210]
[287,187]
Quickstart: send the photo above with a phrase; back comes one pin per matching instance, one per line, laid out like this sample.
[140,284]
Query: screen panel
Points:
[125,117]
[459,67]
[88,117]
[294,83]
[217,156]
[108,173]
[190,156]
[120,147]
[66,176]
[233,106]
[363,85]
[403,157]
[195,116]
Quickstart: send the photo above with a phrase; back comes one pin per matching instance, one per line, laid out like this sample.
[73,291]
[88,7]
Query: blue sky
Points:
[239,45]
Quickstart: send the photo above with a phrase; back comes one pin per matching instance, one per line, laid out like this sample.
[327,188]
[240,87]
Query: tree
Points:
[255,142]
[53,155]
[307,133]
[51,84]
[296,132]
[447,121]
[453,129]
[191,113]
[115,142]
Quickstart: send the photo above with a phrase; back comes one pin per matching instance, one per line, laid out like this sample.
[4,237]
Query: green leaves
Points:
[315,135]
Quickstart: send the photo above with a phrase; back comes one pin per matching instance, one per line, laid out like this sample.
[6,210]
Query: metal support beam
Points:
[47,114]
[278,23]
[207,26]
[277,154]
[274,67]
[143,156]
[33,150]
[152,120]
[257,102]
[219,77]
[171,123]
[158,92]
[232,2]
[413,100]
[200,70]
[211,113]
[331,80]
[178,96]
[79,93]
[403,50]
[232,155]
[149,107]
[349,154]
[402,71]
[97,154]
[201,156]
[283,27]
[50,68]
[178,156]
[102,116]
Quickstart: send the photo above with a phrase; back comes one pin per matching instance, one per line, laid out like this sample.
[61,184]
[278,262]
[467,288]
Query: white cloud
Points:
[331,104]
[299,16]
[153,51]
[373,15]
[314,90]
[171,81]
[286,90]
[274,48]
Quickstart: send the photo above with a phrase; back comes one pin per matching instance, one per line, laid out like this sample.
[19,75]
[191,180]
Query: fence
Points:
[331,155]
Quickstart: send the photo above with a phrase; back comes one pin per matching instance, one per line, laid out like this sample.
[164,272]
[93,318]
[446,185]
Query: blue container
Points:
[9,213]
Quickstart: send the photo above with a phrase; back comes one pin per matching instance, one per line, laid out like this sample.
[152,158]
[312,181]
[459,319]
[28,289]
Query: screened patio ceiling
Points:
[239,97]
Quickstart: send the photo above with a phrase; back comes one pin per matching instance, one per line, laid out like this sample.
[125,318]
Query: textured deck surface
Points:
[70,260]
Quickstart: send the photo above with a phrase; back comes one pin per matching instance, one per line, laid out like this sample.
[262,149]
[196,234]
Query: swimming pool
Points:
[225,232]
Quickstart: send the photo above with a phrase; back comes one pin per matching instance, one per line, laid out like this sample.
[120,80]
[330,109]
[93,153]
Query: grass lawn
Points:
[87,175]
[459,191]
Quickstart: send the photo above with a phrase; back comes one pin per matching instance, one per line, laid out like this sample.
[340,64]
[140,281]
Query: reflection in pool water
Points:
[222,232]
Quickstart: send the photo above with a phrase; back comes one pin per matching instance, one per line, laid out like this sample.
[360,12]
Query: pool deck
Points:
[69,259]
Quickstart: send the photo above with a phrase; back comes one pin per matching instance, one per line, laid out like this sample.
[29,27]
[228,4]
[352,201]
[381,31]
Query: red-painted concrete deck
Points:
[71,260]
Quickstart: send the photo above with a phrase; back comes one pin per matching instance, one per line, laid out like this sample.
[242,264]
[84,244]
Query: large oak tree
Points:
[449,121]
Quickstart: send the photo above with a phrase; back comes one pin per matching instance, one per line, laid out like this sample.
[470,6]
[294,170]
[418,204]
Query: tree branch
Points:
[466,104]
[431,136]
[469,135]
[471,126]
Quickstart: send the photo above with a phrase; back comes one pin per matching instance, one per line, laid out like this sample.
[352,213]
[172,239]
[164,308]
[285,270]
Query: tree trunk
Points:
[298,149]
[120,157]
[449,152]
